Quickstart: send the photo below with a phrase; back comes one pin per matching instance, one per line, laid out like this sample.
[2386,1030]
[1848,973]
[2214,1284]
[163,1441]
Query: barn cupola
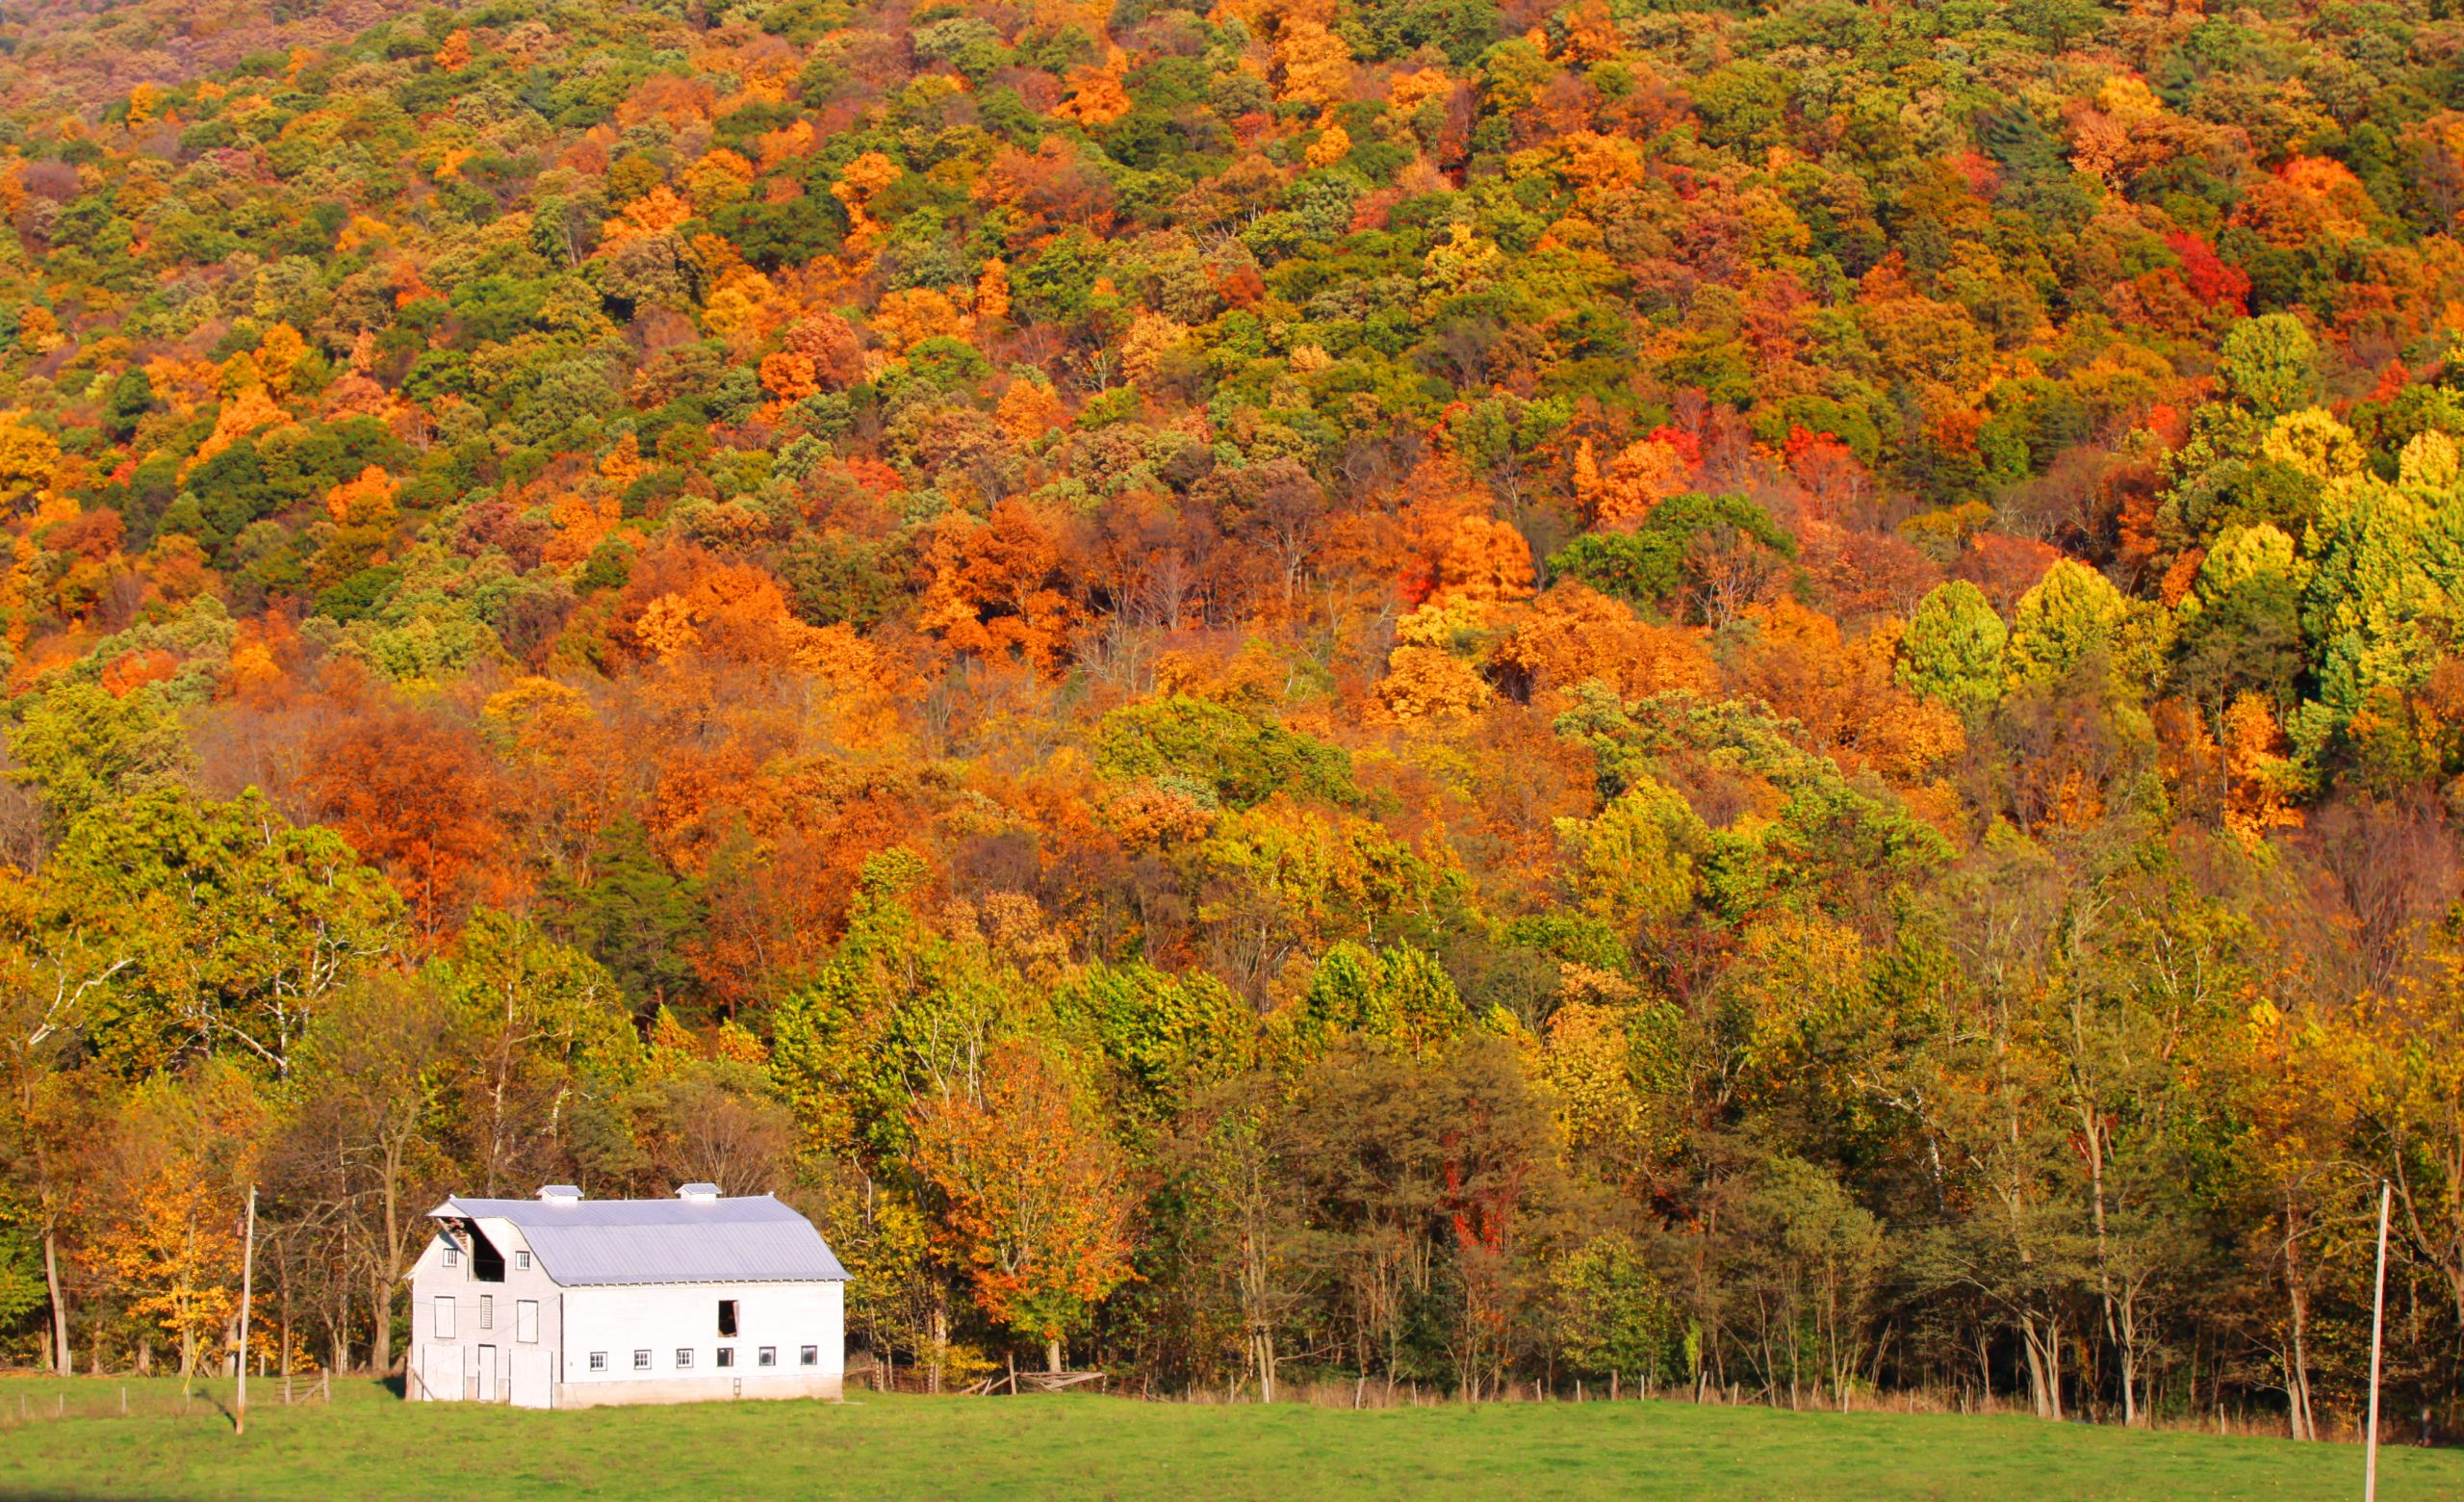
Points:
[559,1194]
[696,1191]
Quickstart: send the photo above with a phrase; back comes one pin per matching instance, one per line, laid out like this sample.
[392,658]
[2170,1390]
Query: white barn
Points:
[560,1302]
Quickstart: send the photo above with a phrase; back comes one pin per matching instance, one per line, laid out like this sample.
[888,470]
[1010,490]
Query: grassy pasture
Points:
[1080,1447]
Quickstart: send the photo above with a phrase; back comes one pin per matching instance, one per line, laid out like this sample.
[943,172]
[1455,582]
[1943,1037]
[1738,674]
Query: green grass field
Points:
[367,1444]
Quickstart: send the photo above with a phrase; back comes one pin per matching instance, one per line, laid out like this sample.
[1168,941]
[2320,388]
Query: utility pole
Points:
[247,1288]
[2377,1330]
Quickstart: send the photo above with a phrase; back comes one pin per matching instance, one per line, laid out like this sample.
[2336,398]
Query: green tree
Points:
[85,746]
[549,1042]
[1952,652]
[2383,592]
[1613,1315]
[1398,998]
[2071,616]
[236,925]
[1170,1035]
[1690,544]
[1240,760]
[1635,862]
[2241,626]
[634,916]
[899,1014]
[2270,363]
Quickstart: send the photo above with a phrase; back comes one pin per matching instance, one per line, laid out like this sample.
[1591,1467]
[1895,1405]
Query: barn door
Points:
[444,1374]
[531,1376]
[487,1392]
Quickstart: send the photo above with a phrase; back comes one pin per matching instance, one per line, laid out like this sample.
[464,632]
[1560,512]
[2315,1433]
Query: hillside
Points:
[1362,690]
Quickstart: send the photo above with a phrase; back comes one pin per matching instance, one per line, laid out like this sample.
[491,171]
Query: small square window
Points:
[641,1360]
[727,1355]
[683,1357]
[726,1318]
[809,1356]
[598,1361]
[521,1260]
[452,1257]
[487,1311]
[767,1357]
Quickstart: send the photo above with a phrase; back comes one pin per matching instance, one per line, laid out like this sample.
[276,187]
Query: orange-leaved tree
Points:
[1031,1193]
[418,795]
[995,586]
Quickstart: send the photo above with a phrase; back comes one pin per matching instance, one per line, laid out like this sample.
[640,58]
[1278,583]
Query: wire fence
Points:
[28,1399]
[45,1399]
[1375,1392]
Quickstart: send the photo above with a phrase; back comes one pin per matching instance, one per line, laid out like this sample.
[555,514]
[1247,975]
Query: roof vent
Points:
[696,1191]
[555,1194]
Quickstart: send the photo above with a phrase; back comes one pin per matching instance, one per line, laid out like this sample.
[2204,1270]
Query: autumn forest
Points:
[1764,699]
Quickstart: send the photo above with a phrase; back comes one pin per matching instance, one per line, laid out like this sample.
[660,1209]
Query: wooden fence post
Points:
[248,1286]
[2378,1328]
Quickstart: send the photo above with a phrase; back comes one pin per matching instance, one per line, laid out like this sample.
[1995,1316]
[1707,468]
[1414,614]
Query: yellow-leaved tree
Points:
[186,1152]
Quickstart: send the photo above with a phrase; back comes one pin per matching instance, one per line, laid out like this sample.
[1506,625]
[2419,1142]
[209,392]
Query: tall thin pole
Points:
[247,1288]
[2377,1330]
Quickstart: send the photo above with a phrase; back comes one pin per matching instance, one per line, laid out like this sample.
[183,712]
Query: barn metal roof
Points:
[582,1243]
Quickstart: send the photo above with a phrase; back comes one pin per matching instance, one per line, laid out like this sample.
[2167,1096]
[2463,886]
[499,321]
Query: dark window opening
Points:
[727,1355]
[726,1316]
[487,1264]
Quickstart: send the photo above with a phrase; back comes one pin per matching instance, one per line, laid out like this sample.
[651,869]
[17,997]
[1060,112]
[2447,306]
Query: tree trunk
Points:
[340,1361]
[2044,1365]
[389,1270]
[62,1361]
[2297,1376]
[2115,1322]
[1052,1354]
[380,1344]
[2053,1364]
[2126,1310]
[2036,1371]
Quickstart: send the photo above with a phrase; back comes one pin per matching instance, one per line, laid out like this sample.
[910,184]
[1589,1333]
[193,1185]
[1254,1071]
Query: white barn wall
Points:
[663,1318]
[431,1279]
